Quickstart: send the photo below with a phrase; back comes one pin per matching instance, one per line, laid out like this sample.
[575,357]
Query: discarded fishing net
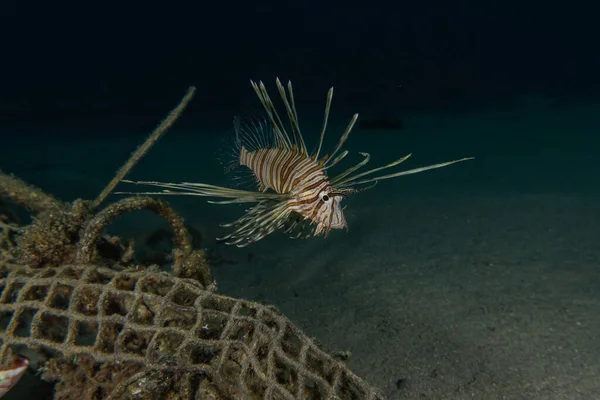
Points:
[156,331]
[103,327]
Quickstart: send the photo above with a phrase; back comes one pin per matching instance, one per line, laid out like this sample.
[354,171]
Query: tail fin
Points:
[244,157]
[228,151]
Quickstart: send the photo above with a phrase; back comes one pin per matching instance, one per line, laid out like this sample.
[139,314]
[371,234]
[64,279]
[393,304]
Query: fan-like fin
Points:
[315,155]
[252,133]
[290,107]
[259,221]
[282,139]
[205,190]
[353,180]
[350,170]
[326,159]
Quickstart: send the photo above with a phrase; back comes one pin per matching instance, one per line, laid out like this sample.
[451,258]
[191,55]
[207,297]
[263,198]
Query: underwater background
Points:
[480,280]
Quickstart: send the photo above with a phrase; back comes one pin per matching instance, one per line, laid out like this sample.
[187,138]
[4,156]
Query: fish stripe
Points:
[289,171]
[285,171]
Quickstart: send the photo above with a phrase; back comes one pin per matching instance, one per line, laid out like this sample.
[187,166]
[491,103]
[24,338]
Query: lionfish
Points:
[295,193]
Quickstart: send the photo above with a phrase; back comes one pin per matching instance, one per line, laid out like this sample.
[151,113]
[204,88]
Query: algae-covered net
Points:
[103,326]
[162,328]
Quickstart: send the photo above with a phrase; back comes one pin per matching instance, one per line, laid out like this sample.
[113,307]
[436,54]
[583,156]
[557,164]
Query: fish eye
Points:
[325,197]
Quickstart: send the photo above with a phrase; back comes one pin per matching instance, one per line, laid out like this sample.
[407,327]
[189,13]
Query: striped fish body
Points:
[284,171]
[295,195]
[303,178]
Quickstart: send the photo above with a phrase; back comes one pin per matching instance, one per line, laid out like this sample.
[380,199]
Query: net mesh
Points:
[150,319]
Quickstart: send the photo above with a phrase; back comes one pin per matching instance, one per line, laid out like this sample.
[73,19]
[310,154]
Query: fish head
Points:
[330,212]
